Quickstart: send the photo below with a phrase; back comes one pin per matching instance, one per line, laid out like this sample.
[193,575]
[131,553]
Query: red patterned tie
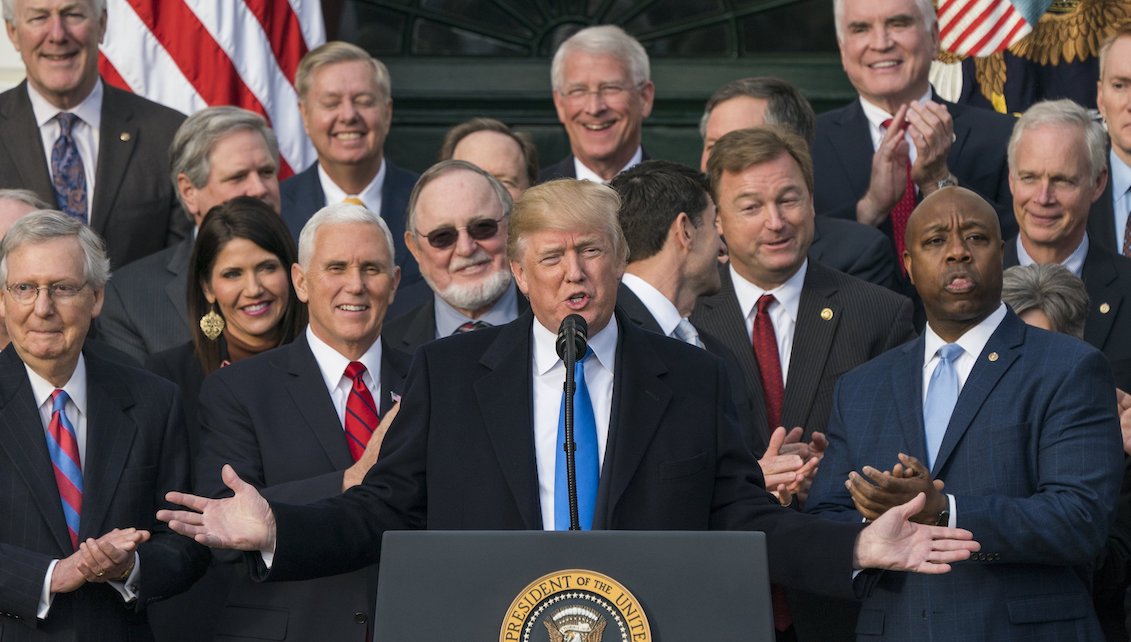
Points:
[62,442]
[361,412]
[1127,238]
[902,210]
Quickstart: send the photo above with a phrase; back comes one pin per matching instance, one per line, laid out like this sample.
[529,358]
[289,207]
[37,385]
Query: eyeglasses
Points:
[446,236]
[606,92]
[59,292]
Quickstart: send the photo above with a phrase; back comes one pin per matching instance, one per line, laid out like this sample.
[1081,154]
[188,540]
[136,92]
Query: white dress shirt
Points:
[1074,263]
[85,132]
[77,411]
[548,371]
[783,312]
[333,367]
[371,195]
[583,173]
[876,117]
[661,308]
[502,311]
[973,342]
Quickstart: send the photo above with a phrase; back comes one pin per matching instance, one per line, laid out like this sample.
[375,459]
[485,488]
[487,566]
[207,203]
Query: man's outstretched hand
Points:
[893,542]
[243,522]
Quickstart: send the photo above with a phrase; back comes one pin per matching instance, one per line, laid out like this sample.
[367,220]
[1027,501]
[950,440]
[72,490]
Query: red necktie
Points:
[769,364]
[902,210]
[63,444]
[361,412]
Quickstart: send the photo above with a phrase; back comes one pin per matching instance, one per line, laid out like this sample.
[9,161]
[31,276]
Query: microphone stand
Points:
[570,446]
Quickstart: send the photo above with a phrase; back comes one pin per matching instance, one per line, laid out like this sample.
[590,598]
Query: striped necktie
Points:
[361,413]
[63,444]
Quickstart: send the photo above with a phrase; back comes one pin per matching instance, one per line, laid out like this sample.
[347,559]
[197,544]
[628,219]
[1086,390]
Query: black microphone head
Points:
[573,329]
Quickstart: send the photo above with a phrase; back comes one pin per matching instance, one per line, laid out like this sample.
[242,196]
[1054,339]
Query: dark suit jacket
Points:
[1107,278]
[271,417]
[145,309]
[302,196]
[1033,458]
[565,169]
[856,249]
[866,320]
[418,326]
[135,208]
[135,453]
[674,460]
[1101,222]
[842,160]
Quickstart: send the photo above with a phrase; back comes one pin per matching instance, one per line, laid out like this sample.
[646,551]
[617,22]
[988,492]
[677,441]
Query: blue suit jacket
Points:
[1033,458]
[302,196]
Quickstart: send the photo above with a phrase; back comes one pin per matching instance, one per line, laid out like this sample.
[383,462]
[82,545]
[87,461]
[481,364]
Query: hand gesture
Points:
[889,173]
[355,473]
[893,542]
[110,556]
[243,522]
[932,132]
[875,492]
[785,472]
[1124,401]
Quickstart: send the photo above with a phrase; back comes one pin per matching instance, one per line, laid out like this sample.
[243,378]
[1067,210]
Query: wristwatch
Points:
[944,517]
[949,181]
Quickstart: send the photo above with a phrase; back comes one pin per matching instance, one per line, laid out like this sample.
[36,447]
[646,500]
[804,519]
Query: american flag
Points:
[191,54]
[985,27]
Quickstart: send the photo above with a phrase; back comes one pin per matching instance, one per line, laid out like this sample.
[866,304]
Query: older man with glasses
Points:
[456,229]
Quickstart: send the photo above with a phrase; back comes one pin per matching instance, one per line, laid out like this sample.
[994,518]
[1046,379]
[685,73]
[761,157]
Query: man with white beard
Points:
[456,228]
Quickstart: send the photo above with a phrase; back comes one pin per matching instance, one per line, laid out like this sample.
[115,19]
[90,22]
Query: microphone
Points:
[574,330]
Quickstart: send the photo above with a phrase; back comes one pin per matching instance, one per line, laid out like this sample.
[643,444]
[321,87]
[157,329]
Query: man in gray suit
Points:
[218,154]
[794,324]
[457,230]
[64,121]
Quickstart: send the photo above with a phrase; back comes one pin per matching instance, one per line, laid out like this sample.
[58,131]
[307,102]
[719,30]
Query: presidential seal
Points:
[575,606]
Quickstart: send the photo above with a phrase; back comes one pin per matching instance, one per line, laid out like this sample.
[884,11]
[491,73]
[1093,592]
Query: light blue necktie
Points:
[942,394]
[585,457]
[67,175]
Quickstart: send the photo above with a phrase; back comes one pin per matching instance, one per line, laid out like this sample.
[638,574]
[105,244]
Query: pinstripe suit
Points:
[1033,458]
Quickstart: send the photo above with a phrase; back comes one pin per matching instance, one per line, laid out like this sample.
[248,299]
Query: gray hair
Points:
[10,9]
[608,40]
[45,225]
[195,138]
[926,12]
[334,52]
[25,196]
[1050,288]
[1063,112]
[336,214]
[785,104]
[447,167]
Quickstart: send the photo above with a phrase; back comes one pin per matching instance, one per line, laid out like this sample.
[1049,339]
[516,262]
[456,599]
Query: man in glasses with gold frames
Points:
[602,93]
[456,229]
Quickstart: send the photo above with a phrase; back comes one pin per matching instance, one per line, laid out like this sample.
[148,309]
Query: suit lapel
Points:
[852,144]
[423,327]
[24,442]
[909,407]
[118,137]
[20,140]
[1101,221]
[1105,298]
[640,399]
[178,266]
[635,310]
[1003,348]
[110,433]
[308,390]
[505,396]
[812,343]
[394,367]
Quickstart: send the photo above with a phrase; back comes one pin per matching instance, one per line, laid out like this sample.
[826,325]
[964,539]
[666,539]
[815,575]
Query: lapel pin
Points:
[394,397]
[992,356]
[827,314]
[1105,308]
[124,137]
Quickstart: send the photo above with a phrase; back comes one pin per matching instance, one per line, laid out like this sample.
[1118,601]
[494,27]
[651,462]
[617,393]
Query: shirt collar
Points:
[603,344]
[502,311]
[876,115]
[75,387]
[1074,263]
[335,194]
[89,110]
[333,364]
[584,173]
[665,312]
[788,294]
[973,341]
[1120,176]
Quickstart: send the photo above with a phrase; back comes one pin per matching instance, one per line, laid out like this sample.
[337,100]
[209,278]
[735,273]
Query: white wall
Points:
[11,67]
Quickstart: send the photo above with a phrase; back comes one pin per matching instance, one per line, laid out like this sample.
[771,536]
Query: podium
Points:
[589,586]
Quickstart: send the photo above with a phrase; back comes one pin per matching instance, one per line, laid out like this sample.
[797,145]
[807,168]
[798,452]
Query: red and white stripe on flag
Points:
[191,54]
[980,27]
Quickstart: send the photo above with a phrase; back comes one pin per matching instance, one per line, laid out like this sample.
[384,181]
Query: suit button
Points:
[359,617]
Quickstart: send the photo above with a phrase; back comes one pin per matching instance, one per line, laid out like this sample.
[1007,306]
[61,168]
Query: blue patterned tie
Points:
[585,457]
[942,394]
[63,444]
[67,174]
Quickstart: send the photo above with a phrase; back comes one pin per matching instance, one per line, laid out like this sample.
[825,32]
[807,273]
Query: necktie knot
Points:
[354,370]
[887,123]
[67,121]
[950,352]
[471,326]
[352,199]
[687,333]
[59,400]
[764,303]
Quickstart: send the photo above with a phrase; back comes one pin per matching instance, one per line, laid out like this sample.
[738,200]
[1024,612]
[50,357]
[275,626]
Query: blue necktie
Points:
[942,394]
[585,457]
[63,444]
[67,174]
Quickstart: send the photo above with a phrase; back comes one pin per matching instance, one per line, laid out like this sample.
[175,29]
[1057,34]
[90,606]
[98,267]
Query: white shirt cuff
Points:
[45,595]
[129,589]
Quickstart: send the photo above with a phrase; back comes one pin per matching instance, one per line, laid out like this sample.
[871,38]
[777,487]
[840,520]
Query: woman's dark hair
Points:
[248,218]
